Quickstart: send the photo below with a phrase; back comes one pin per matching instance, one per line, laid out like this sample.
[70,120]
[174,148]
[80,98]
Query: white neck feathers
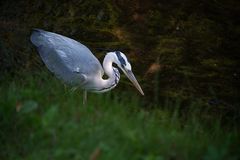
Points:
[111,72]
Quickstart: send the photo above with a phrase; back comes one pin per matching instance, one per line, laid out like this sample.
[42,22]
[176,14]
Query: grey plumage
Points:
[68,59]
[75,64]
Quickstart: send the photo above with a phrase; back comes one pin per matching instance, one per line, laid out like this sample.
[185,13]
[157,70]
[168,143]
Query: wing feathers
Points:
[64,56]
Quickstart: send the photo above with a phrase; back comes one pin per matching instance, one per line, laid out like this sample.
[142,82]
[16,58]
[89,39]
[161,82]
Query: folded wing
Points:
[68,59]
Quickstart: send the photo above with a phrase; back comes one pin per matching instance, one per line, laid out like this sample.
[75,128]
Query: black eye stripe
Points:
[120,58]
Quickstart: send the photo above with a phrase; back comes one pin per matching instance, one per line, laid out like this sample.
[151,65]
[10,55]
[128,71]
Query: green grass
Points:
[40,118]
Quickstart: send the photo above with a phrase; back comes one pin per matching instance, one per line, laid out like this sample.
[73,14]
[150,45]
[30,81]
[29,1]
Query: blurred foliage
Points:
[40,118]
[195,44]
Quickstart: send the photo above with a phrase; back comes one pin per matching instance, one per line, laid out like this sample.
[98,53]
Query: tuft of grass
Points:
[40,118]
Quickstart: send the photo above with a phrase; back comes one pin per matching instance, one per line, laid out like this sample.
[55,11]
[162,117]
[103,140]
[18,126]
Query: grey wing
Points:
[58,64]
[66,58]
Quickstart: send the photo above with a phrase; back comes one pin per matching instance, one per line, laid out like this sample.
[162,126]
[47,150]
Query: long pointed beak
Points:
[132,78]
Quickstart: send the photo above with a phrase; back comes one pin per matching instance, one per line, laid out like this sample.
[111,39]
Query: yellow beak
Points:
[132,78]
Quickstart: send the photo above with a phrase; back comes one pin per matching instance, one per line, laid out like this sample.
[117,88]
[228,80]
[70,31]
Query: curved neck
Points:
[112,73]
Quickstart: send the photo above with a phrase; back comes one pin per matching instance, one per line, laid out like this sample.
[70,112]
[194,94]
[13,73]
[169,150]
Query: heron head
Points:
[122,62]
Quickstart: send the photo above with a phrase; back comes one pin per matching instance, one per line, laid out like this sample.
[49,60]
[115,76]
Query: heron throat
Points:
[112,73]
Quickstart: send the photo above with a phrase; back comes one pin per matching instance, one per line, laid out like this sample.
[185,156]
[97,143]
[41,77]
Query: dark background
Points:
[178,49]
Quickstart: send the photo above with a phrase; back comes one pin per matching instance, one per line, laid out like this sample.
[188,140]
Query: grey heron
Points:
[75,64]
